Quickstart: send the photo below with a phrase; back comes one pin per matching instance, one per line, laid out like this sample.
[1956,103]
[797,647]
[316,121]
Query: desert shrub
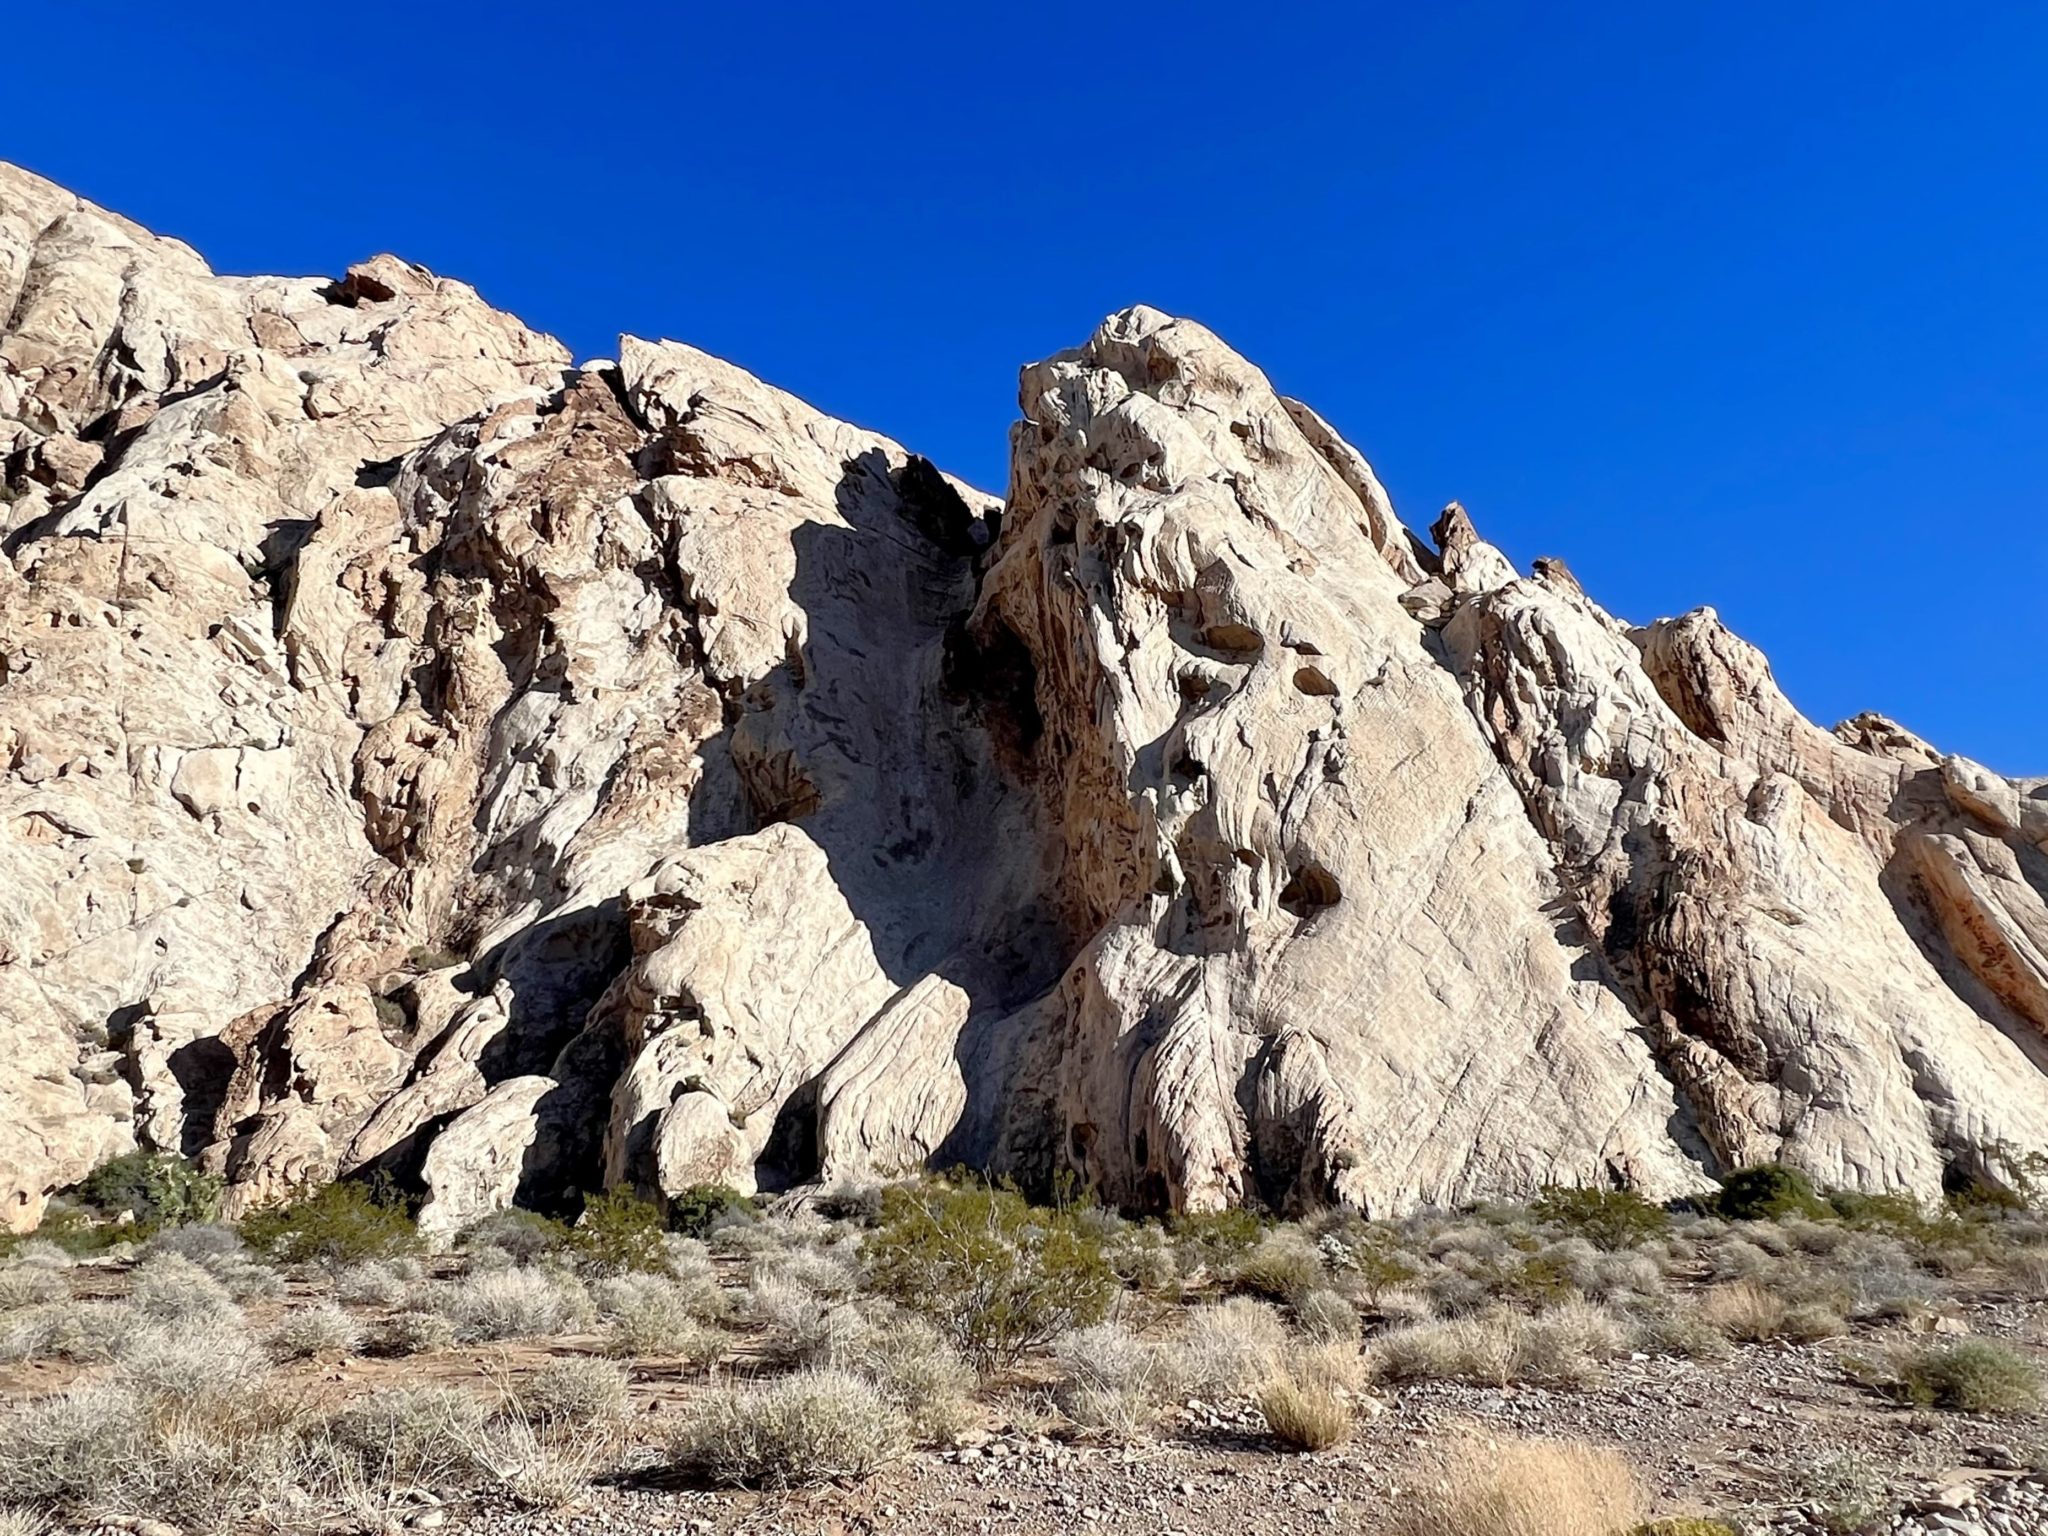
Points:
[1326,1316]
[523,1237]
[171,1288]
[790,1432]
[1610,1219]
[155,1189]
[406,1435]
[413,1333]
[1680,1332]
[1527,1488]
[919,1371]
[1746,1310]
[80,1231]
[1110,1379]
[22,1522]
[1305,1418]
[31,1285]
[321,1329]
[67,1330]
[1230,1347]
[1283,1263]
[205,1361]
[1846,1492]
[1213,1240]
[1369,1257]
[647,1315]
[1767,1193]
[200,1242]
[860,1203]
[377,1282]
[69,1451]
[1400,1305]
[515,1304]
[620,1234]
[1142,1256]
[338,1223]
[1969,1376]
[573,1393]
[698,1210]
[995,1274]
[1563,1347]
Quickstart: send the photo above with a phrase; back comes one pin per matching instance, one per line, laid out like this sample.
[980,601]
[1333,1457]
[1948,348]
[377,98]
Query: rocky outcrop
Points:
[422,754]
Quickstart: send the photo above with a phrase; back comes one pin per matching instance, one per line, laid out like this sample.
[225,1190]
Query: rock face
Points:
[419,753]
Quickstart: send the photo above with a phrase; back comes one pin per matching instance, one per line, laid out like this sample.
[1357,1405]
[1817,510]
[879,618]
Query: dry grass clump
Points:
[790,1432]
[2027,1268]
[1326,1317]
[515,1304]
[1305,1417]
[1563,1347]
[321,1329]
[171,1288]
[1680,1332]
[84,1331]
[1527,1488]
[1750,1312]
[1229,1348]
[413,1333]
[572,1393]
[919,1371]
[31,1285]
[1112,1380]
[198,1241]
[403,1435]
[651,1315]
[377,1282]
[110,1449]
[1284,1263]
[204,1363]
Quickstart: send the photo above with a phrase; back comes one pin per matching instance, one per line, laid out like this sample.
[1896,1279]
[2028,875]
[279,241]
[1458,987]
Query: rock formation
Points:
[422,754]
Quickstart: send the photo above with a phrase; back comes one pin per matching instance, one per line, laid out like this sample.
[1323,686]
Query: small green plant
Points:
[620,1234]
[338,1223]
[701,1207]
[1768,1192]
[1611,1219]
[1970,1376]
[158,1191]
[1847,1492]
[996,1274]
[1283,1264]
[1685,1525]
[1215,1238]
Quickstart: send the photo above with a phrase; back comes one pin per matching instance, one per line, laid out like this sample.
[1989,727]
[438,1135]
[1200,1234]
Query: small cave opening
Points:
[1310,889]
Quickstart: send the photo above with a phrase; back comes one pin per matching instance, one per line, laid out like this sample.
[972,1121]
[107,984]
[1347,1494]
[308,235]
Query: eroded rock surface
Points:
[424,754]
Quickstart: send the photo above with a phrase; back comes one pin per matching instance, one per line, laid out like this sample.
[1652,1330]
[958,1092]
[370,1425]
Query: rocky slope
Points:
[422,753]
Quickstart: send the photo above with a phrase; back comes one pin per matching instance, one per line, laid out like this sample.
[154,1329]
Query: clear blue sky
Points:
[1736,304]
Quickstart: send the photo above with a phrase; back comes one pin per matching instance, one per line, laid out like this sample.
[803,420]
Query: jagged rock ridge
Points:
[420,753]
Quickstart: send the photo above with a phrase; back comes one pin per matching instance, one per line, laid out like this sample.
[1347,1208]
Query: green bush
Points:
[338,1223]
[1215,1238]
[996,1274]
[155,1189]
[701,1207]
[1767,1193]
[1612,1219]
[1971,1376]
[620,1234]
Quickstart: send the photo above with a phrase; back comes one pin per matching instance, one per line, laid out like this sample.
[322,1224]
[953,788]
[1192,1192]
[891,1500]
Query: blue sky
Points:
[1739,305]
